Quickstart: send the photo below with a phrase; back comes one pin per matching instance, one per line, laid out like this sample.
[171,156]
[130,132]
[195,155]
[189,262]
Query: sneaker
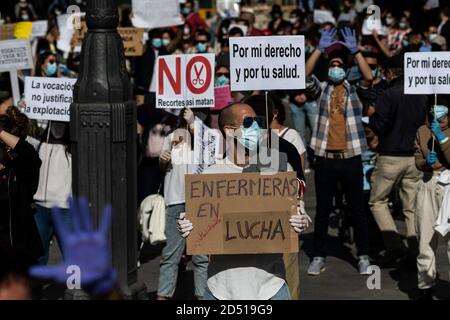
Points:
[316,266]
[363,265]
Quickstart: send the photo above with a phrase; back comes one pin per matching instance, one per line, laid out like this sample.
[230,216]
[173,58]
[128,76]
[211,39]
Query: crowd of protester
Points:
[374,152]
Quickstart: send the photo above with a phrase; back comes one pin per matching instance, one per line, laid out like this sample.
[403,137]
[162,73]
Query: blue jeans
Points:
[301,114]
[171,256]
[46,228]
[282,294]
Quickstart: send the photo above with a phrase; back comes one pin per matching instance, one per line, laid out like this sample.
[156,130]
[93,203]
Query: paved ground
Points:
[339,281]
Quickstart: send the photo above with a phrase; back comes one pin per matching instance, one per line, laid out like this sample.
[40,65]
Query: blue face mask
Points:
[51,69]
[186,11]
[336,74]
[202,47]
[405,43]
[250,137]
[156,43]
[440,112]
[222,81]
[403,25]
[375,73]
[165,42]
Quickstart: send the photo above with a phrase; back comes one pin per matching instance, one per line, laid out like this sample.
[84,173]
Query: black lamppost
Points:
[103,133]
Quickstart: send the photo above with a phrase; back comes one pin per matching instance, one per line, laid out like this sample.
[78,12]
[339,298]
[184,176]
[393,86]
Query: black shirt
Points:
[4,202]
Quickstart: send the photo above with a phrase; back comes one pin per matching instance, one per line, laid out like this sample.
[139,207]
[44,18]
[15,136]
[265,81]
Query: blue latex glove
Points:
[431,158]
[437,131]
[83,247]
[349,40]
[327,39]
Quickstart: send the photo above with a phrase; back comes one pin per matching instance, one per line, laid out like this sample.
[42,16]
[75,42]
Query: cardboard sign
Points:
[323,16]
[15,54]
[7,31]
[48,98]
[151,14]
[206,146]
[131,37]
[267,63]
[241,213]
[185,80]
[427,72]
[222,96]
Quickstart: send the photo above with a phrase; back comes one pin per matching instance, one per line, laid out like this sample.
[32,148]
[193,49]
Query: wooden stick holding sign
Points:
[241,213]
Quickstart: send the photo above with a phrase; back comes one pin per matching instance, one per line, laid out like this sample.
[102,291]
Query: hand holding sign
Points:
[184,225]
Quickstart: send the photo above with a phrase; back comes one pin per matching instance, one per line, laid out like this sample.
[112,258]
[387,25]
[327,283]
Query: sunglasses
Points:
[226,74]
[248,121]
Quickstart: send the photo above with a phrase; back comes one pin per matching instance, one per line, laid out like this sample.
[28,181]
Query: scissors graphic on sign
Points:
[198,73]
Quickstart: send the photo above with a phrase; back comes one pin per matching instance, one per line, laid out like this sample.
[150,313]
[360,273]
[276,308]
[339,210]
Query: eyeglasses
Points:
[226,74]
[248,121]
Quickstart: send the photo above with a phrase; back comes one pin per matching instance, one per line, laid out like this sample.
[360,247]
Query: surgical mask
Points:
[165,42]
[250,137]
[440,112]
[186,31]
[403,25]
[375,73]
[405,43]
[51,69]
[25,17]
[222,81]
[202,47]
[156,43]
[336,74]
[186,10]
[389,21]
[432,36]
[293,20]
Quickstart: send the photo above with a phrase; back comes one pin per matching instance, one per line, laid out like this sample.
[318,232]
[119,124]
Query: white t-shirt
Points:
[243,276]
[293,137]
[180,165]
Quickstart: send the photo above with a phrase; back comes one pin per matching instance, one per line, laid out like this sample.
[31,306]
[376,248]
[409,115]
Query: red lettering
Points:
[164,69]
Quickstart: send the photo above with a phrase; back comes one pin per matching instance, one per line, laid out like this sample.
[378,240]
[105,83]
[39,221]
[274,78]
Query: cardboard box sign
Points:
[131,37]
[241,213]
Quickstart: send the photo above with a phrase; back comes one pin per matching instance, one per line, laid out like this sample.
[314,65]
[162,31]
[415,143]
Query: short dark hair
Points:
[446,12]
[203,32]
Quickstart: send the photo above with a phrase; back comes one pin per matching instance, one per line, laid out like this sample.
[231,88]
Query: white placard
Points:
[185,81]
[267,63]
[427,72]
[39,28]
[228,8]
[65,32]
[48,98]
[373,25]
[15,54]
[152,14]
[243,28]
[323,16]
[206,146]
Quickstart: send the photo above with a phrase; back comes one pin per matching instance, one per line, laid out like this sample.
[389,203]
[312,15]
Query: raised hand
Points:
[327,39]
[83,247]
[349,40]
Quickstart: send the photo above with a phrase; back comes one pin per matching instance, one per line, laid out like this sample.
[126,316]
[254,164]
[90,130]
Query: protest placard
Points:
[48,98]
[132,39]
[267,63]
[15,55]
[23,30]
[241,213]
[206,146]
[427,72]
[323,16]
[39,28]
[227,8]
[222,96]
[66,31]
[152,14]
[185,80]
[243,28]
[7,31]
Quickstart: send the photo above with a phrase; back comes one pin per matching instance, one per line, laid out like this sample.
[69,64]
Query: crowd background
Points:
[392,131]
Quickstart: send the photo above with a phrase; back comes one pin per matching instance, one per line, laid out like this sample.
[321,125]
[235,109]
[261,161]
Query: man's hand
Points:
[437,131]
[166,156]
[184,225]
[327,39]
[300,221]
[83,247]
[349,40]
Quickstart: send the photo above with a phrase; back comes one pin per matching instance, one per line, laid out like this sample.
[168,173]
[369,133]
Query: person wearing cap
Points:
[338,141]
[395,121]
[247,15]
[433,159]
